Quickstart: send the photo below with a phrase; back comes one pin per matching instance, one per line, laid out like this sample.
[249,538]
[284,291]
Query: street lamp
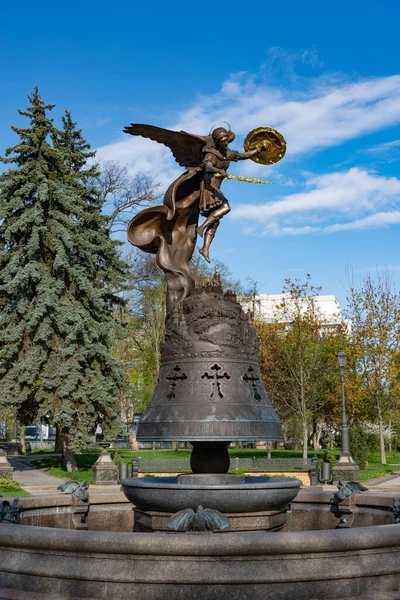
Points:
[345,469]
[341,358]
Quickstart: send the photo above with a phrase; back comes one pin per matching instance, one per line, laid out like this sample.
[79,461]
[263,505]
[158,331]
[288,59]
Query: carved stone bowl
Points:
[253,495]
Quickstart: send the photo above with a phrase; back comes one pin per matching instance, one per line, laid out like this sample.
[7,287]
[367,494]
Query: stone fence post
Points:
[6,470]
[105,472]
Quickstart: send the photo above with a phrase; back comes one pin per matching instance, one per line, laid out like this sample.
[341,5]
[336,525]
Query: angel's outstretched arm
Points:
[253,152]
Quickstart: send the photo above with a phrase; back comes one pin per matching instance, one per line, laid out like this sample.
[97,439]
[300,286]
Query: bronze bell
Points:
[209,387]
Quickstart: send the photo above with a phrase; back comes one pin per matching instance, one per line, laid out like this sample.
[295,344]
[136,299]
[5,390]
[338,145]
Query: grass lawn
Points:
[85,461]
[53,467]
[375,470]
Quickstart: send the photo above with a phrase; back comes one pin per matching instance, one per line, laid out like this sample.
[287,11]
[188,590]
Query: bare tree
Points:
[124,193]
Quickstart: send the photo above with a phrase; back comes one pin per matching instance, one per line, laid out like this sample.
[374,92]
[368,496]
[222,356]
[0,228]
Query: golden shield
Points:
[272,138]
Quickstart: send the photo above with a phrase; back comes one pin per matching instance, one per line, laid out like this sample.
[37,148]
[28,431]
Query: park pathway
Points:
[30,478]
[389,483]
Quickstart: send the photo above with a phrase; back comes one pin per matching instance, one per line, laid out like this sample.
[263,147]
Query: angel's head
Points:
[221,137]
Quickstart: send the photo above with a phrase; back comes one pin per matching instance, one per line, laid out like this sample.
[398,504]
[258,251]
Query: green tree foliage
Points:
[294,359]
[359,445]
[374,310]
[58,274]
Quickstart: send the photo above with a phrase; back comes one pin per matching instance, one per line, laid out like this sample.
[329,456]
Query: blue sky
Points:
[326,75]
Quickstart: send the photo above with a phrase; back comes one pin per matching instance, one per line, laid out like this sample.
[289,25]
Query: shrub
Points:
[328,455]
[358,438]
[117,458]
[8,487]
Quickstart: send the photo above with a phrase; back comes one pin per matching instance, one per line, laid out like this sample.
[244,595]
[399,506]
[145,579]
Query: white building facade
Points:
[266,308]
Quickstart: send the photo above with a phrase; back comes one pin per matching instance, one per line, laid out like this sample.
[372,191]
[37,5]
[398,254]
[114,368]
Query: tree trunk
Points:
[381,437]
[317,435]
[68,459]
[41,436]
[57,446]
[269,446]
[22,438]
[305,440]
[314,431]
[132,442]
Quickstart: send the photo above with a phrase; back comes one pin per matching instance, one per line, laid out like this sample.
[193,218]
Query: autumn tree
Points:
[374,310]
[293,357]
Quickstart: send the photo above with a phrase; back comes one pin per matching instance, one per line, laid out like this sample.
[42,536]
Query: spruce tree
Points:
[58,274]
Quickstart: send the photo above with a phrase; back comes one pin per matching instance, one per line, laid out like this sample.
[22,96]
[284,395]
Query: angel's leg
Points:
[208,238]
[216,215]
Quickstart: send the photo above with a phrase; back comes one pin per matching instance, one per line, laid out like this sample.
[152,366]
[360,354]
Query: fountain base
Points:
[269,520]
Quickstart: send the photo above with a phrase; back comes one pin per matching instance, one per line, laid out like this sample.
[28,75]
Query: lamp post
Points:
[345,469]
[341,358]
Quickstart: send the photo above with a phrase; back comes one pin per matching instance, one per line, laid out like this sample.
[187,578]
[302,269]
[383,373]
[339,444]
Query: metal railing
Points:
[179,465]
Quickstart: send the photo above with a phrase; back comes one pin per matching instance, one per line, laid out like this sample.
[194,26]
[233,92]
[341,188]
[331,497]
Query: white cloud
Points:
[359,198]
[328,113]
[380,219]
[387,152]
[142,155]
[386,146]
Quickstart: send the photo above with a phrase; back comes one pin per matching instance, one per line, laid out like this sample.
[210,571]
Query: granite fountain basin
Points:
[223,493]
[309,559]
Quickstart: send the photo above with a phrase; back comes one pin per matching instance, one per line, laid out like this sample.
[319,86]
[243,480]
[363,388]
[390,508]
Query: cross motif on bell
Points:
[174,377]
[215,379]
[253,379]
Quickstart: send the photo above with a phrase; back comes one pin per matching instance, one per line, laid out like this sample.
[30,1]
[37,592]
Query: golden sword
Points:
[243,178]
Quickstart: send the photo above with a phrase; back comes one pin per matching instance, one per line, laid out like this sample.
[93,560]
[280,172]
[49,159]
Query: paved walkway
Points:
[390,483]
[30,478]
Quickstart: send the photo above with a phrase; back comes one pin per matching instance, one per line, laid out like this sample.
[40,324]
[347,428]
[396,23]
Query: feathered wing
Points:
[68,486]
[356,487]
[215,519]
[181,520]
[83,491]
[186,147]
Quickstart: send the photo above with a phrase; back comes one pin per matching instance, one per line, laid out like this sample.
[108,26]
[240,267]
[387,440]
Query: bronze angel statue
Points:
[170,231]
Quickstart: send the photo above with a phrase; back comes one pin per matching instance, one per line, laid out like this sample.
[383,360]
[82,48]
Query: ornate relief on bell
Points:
[210,386]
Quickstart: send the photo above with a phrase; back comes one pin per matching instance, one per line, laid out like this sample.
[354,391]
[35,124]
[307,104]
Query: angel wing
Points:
[186,147]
